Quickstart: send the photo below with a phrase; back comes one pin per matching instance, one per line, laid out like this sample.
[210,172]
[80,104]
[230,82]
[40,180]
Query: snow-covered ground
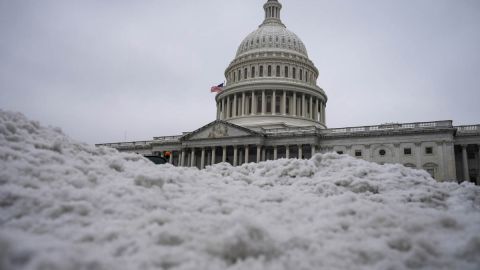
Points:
[67,205]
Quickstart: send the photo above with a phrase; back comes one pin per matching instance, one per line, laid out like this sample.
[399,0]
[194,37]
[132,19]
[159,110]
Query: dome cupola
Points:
[271,83]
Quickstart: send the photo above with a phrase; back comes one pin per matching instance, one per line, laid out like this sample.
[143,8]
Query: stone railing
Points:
[167,138]
[291,131]
[126,144]
[467,130]
[390,127]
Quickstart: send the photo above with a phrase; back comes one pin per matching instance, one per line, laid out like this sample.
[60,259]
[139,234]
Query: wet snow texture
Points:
[67,205]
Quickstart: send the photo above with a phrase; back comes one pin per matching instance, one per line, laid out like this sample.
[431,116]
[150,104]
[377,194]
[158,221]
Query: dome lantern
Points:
[272,12]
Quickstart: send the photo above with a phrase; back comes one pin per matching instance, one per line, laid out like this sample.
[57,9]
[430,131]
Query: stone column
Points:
[235,102]
[287,151]
[213,155]
[275,152]
[259,150]
[224,156]
[170,159]
[304,107]
[227,114]
[314,150]
[202,159]
[294,107]
[182,158]
[235,155]
[418,155]
[441,175]
[466,172]
[284,101]
[192,160]
[224,111]
[300,151]
[264,154]
[311,107]
[243,104]
[254,104]
[478,170]
[247,153]
[274,103]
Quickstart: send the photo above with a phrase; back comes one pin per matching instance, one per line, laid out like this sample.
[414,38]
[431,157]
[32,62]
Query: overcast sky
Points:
[103,70]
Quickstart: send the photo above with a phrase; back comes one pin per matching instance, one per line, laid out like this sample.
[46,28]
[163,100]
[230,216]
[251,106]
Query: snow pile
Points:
[67,205]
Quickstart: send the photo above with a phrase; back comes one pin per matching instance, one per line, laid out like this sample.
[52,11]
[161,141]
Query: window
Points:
[253,72]
[269,104]
[358,153]
[278,101]
[301,75]
[259,104]
[382,152]
[294,73]
[471,155]
[431,171]
[278,71]
[306,75]
[234,77]
[429,150]
[407,151]
[286,72]
[261,71]
[269,71]
[245,73]
[340,152]
[239,75]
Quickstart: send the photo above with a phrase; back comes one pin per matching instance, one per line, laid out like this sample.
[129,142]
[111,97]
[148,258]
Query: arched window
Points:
[286,71]
[278,71]
[301,75]
[269,72]
[253,72]
[306,75]
[239,75]
[261,71]
[294,73]
[245,73]
[234,77]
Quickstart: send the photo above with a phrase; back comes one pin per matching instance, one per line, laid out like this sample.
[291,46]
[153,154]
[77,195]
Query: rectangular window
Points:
[294,73]
[340,152]
[277,104]
[428,150]
[286,72]
[358,153]
[259,104]
[407,151]
[245,73]
[261,71]
[269,71]
[239,75]
[278,71]
[253,72]
[269,104]
[301,75]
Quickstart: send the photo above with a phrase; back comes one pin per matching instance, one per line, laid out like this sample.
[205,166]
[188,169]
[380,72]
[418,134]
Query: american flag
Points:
[217,89]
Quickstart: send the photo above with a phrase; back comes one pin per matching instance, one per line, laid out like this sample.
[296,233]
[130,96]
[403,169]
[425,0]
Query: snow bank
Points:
[68,205]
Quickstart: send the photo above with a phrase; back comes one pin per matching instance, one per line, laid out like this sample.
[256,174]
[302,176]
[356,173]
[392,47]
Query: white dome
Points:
[272,37]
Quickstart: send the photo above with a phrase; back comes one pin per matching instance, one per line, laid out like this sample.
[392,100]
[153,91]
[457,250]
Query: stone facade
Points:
[271,108]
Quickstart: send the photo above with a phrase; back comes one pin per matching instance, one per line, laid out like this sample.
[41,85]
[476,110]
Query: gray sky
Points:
[102,68]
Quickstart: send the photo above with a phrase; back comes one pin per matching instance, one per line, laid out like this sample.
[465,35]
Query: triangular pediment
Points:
[219,130]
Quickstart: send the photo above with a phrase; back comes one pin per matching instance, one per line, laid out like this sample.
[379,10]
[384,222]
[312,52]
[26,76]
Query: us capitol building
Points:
[271,107]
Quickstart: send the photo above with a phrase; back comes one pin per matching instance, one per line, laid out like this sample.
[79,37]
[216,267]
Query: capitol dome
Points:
[271,82]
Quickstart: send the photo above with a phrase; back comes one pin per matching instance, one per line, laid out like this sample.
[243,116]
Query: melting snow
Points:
[68,205]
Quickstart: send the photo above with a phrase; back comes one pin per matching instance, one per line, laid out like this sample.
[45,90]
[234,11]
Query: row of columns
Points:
[466,169]
[188,157]
[227,109]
